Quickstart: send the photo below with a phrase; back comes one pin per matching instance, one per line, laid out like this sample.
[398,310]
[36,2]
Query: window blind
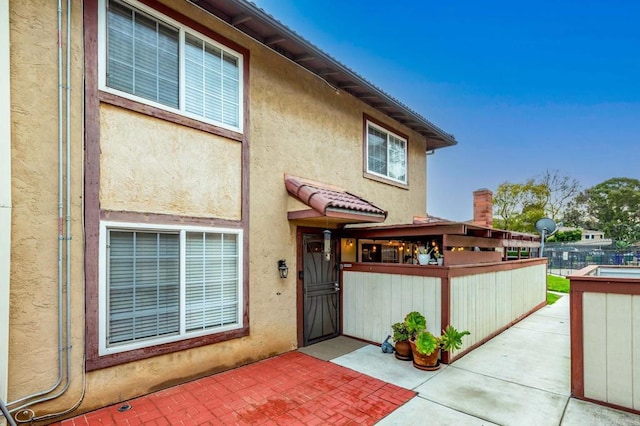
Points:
[143,59]
[211,82]
[211,268]
[144,285]
[142,55]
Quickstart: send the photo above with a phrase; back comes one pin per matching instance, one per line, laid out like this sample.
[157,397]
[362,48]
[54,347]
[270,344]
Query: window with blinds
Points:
[151,58]
[169,284]
[386,154]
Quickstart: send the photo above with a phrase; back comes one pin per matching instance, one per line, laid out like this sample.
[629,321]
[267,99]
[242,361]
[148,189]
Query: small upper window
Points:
[149,58]
[386,154]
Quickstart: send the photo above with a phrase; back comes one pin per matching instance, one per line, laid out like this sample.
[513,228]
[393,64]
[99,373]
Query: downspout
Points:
[64,270]
[427,154]
[5,196]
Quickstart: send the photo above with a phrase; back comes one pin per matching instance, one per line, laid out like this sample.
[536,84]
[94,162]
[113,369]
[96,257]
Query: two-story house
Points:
[169,169]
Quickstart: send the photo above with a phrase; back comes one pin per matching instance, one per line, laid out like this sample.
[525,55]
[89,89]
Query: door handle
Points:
[336,286]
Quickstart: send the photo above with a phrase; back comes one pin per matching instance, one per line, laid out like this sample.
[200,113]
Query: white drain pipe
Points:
[5,197]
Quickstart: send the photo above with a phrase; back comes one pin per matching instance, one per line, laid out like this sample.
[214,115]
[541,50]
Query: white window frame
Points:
[105,227]
[406,153]
[181,110]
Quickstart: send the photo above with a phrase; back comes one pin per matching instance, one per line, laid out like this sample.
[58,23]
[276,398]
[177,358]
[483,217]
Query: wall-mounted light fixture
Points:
[283,269]
[327,244]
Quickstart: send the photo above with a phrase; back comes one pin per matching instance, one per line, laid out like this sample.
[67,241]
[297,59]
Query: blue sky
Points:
[523,86]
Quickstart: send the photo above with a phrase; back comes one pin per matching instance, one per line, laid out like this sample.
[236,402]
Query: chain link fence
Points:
[564,258]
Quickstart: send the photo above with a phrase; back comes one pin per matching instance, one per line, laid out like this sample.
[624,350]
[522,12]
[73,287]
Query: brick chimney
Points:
[483,207]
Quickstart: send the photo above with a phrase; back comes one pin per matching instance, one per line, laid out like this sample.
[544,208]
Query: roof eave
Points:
[375,97]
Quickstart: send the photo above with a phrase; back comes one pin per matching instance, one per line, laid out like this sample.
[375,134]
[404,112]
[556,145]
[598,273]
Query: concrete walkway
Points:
[521,377]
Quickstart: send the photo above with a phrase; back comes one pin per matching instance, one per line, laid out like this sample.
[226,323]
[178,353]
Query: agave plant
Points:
[415,323]
[451,338]
[426,343]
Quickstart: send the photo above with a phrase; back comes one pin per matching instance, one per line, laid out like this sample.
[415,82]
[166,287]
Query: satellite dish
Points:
[545,227]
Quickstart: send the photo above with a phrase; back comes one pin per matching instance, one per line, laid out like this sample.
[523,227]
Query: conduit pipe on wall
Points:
[64,175]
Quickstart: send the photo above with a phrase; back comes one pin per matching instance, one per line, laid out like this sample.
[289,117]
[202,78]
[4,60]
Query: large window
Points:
[386,154]
[151,59]
[161,285]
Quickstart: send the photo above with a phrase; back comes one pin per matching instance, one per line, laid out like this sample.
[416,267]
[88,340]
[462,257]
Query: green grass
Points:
[551,298]
[559,284]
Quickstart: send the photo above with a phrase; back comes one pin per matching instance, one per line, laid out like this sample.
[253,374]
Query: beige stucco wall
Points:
[33,336]
[298,125]
[150,165]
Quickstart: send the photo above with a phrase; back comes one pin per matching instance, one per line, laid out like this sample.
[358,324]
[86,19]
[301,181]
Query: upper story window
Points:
[161,284]
[386,153]
[149,58]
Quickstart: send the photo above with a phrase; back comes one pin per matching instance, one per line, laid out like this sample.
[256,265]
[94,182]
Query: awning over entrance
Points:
[330,204]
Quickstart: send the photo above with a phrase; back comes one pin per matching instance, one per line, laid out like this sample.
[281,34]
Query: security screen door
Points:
[321,291]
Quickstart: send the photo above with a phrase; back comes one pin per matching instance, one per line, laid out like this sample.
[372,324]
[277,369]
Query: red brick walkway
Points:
[290,389]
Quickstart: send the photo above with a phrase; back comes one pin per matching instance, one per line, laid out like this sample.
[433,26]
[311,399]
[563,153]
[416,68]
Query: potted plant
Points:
[415,322]
[439,258]
[401,339]
[426,347]
[424,254]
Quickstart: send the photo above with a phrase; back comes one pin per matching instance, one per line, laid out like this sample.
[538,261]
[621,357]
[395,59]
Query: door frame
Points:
[335,235]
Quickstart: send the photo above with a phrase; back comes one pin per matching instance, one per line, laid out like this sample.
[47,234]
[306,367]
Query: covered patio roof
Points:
[458,233]
[330,204]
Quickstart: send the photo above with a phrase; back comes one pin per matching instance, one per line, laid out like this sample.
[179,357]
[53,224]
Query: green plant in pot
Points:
[401,339]
[415,323]
[426,347]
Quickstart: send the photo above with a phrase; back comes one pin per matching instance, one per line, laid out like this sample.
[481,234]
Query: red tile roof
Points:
[322,197]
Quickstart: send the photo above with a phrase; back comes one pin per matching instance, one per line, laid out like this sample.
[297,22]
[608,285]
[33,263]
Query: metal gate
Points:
[321,291]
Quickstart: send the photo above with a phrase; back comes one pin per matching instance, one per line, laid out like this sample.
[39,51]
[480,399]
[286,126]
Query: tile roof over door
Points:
[330,204]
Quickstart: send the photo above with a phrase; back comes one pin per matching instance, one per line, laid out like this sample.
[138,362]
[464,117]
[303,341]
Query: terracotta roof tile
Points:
[321,197]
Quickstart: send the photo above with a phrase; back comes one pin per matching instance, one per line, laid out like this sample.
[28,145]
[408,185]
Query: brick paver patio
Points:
[290,389]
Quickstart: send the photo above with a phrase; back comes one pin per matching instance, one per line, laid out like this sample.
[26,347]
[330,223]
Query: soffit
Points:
[264,28]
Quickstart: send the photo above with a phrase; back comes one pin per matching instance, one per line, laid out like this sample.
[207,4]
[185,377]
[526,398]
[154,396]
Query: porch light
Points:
[327,244]
[283,269]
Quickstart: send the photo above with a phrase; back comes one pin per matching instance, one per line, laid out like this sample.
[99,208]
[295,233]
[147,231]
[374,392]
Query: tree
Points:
[517,206]
[561,190]
[612,206]
[564,236]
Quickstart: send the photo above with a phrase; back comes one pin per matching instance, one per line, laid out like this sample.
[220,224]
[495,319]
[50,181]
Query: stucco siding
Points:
[150,165]
[33,316]
[297,124]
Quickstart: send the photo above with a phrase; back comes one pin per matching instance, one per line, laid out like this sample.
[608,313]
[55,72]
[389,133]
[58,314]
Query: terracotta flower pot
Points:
[403,350]
[425,362]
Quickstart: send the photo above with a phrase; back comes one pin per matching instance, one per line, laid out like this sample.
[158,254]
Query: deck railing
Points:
[484,298]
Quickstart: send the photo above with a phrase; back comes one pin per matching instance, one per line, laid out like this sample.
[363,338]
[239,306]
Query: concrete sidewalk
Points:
[520,377]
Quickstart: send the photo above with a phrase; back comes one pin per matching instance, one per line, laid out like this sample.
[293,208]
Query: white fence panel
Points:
[611,346]
[484,303]
[374,301]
